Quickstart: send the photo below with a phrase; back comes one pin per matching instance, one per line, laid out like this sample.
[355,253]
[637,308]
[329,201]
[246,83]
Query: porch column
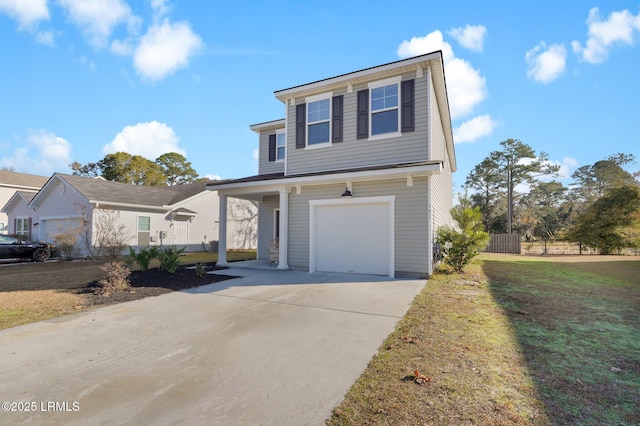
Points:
[284,229]
[222,231]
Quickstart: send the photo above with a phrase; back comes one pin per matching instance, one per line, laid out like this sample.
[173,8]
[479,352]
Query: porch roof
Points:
[331,176]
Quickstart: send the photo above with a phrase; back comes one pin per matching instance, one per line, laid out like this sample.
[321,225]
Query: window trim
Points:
[375,85]
[138,223]
[284,133]
[315,98]
[24,221]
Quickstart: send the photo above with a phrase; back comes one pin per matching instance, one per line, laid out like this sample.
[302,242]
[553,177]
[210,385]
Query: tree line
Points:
[168,169]
[599,209]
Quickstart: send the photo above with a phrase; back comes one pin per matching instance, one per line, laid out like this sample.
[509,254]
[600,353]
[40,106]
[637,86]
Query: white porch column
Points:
[284,229]
[222,231]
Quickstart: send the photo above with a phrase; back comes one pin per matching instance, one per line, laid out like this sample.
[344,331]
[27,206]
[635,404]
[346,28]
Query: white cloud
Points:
[46,38]
[164,49]
[466,88]
[474,129]
[471,36]
[41,153]
[26,12]
[150,140]
[567,166]
[620,28]
[546,63]
[98,18]
[212,177]
[121,47]
[160,8]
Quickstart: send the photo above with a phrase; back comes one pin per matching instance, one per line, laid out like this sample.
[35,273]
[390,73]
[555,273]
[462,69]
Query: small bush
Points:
[459,246]
[200,271]
[170,259]
[116,278]
[67,242]
[144,257]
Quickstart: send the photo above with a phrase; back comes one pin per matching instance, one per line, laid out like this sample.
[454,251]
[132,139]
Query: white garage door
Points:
[49,228]
[353,236]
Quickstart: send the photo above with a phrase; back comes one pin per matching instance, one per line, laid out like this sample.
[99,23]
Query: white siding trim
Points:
[314,204]
[386,82]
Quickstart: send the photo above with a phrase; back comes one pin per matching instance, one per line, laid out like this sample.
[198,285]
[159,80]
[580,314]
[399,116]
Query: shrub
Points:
[200,271]
[460,246]
[116,278]
[66,242]
[170,259]
[143,257]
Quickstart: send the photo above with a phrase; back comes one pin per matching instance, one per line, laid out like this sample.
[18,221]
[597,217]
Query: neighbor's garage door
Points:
[49,228]
[354,237]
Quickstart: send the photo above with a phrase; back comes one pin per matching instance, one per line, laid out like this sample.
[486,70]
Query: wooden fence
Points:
[504,243]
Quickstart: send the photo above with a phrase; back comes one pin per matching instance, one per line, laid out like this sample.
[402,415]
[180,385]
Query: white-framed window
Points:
[3,228]
[22,226]
[281,145]
[144,231]
[319,119]
[384,96]
[144,224]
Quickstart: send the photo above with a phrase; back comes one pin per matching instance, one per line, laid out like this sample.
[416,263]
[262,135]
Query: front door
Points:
[181,233]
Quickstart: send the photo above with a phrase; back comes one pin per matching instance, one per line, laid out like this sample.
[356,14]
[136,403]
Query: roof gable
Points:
[25,196]
[122,194]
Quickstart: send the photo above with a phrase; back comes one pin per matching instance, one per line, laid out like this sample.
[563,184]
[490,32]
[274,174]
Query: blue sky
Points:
[82,78]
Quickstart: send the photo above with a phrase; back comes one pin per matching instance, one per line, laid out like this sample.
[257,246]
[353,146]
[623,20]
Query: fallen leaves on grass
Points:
[407,339]
[420,379]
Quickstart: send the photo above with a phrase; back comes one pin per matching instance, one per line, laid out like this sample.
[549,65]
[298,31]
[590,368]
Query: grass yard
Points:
[515,340]
[32,292]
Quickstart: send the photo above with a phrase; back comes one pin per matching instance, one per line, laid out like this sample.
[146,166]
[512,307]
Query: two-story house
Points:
[357,176]
[22,185]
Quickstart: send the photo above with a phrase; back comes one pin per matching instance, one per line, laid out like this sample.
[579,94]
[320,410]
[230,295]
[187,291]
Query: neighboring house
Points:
[10,182]
[357,176]
[178,215]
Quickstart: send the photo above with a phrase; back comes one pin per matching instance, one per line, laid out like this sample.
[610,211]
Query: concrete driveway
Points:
[272,348]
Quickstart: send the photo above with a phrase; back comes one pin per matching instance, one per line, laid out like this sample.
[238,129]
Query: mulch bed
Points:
[152,282]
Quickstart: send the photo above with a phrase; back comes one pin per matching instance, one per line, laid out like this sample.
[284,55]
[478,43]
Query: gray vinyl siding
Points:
[265,166]
[411,234]
[353,152]
[265,224]
[442,185]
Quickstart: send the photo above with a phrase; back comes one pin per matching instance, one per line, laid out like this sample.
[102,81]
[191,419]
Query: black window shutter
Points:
[363,114]
[336,119]
[408,106]
[272,147]
[301,122]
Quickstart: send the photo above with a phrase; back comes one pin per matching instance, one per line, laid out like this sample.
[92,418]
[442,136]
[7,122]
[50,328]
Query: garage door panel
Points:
[52,227]
[353,238]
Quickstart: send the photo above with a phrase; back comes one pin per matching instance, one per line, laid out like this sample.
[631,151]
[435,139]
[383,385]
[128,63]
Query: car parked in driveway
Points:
[14,248]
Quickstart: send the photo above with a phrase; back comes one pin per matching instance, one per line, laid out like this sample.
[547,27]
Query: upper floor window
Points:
[278,146]
[384,107]
[281,143]
[318,121]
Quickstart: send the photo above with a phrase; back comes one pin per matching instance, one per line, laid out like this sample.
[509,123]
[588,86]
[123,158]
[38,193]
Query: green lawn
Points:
[515,340]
